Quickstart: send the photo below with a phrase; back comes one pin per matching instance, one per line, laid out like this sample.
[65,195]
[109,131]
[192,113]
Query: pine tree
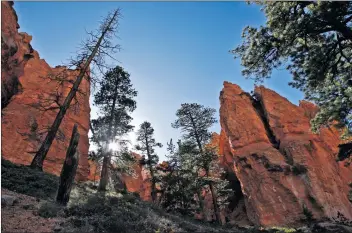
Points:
[115,99]
[147,143]
[195,121]
[313,39]
[179,181]
[93,52]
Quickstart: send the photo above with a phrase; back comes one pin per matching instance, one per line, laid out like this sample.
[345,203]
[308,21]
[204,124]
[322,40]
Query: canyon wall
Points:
[26,88]
[283,169]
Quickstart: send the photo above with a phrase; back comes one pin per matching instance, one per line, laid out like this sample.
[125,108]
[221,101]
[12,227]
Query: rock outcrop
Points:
[140,181]
[26,88]
[283,169]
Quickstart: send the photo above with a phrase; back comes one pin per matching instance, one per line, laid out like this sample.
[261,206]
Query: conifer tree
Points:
[115,99]
[180,181]
[313,41]
[147,145]
[195,121]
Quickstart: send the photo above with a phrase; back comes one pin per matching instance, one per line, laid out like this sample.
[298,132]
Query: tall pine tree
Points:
[115,99]
[147,145]
[194,120]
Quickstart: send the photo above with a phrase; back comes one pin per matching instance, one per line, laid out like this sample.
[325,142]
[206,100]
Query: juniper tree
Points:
[93,52]
[195,121]
[313,39]
[147,143]
[115,99]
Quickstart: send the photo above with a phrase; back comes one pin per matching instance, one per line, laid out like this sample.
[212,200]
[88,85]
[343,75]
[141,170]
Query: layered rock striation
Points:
[28,94]
[283,169]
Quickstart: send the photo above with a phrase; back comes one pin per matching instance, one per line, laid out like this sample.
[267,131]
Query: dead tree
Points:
[93,51]
[69,169]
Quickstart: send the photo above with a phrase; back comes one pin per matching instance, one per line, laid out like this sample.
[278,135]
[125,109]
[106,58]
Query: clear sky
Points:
[176,52]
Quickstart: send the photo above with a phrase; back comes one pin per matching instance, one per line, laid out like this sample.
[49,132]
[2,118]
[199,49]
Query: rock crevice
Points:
[25,83]
[283,168]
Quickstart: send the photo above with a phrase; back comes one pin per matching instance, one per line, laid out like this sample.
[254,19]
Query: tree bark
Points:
[39,158]
[104,177]
[69,169]
[215,204]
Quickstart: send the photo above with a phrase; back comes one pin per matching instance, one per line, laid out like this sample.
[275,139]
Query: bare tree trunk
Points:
[104,177]
[215,204]
[39,158]
[69,169]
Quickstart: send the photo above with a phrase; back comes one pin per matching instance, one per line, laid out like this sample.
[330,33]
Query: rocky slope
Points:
[283,169]
[26,88]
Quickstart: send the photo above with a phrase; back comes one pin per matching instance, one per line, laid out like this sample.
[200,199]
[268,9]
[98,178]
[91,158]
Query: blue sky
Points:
[176,52]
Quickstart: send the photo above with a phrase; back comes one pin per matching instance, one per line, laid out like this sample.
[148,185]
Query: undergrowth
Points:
[23,179]
[92,211]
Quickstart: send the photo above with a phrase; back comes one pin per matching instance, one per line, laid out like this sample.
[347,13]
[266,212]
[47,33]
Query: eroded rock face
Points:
[140,182]
[282,167]
[24,122]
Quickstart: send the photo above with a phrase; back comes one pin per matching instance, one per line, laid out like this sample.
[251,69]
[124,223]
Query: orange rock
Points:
[280,164]
[23,124]
[139,183]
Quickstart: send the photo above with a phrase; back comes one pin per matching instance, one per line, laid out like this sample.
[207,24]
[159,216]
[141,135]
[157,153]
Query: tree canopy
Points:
[115,99]
[314,42]
[147,145]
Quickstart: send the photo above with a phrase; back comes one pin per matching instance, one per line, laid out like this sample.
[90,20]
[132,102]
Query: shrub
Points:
[49,210]
[22,179]
[308,214]
[298,169]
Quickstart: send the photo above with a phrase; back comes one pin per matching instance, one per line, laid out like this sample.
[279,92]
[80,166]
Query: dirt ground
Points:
[23,215]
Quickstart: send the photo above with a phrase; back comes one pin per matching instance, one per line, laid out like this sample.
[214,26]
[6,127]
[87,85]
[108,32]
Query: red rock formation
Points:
[280,164]
[94,171]
[140,182]
[22,121]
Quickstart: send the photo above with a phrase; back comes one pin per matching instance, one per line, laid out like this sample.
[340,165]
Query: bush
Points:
[112,214]
[22,179]
[49,210]
[308,214]
[298,169]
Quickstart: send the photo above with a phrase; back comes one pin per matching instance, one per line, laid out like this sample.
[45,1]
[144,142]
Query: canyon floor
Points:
[27,206]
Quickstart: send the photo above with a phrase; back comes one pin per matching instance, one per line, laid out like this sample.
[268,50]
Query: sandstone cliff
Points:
[282,167]
[25,87]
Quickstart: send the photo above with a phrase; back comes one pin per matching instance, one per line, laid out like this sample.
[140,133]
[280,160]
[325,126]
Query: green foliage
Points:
[199,163]
[129,214]
[115,99]
[180,182]
[314,41]
[308,214]
[298,169]
[283,230]
[146,145]
[49,210]
[22,179]
[194,120]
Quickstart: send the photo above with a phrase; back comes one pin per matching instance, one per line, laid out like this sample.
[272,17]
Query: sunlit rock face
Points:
[140,181]
[281,166]
[25,84]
